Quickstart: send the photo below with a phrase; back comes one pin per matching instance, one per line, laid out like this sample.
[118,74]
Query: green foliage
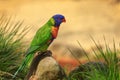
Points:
[108,57]
[11,43]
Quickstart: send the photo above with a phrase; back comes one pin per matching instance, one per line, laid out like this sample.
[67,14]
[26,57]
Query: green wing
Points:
[43,35]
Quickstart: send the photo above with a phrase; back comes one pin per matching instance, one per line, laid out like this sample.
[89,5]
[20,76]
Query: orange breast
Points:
[55,31]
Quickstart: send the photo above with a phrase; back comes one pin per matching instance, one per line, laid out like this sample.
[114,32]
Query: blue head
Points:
[58,19]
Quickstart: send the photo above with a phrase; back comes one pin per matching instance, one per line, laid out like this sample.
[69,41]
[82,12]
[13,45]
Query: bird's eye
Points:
[60,18]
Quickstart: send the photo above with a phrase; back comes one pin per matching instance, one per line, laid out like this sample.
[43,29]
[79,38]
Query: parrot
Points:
[42,39]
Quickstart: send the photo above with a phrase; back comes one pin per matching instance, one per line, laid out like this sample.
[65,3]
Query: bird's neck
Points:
[57,24]
[51,22]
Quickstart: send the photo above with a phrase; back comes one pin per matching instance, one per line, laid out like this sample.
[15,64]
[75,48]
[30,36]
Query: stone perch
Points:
[45,67]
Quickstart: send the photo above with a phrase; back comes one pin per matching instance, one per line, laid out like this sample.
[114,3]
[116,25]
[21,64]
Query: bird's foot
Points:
[47,52]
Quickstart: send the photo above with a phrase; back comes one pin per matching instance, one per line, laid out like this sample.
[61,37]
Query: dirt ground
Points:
[85,18]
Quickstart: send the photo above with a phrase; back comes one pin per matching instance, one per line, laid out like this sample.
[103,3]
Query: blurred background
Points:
[84,18]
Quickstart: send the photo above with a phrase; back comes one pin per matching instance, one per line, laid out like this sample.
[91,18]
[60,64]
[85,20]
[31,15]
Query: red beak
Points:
[63,20]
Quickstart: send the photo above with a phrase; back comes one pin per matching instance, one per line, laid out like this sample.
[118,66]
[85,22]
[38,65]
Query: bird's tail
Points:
[24,63]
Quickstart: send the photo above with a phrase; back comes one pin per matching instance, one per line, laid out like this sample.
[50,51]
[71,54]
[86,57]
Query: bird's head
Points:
[58,18]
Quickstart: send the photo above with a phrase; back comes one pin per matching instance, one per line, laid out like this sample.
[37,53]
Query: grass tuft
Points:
[12,45]
[106,66]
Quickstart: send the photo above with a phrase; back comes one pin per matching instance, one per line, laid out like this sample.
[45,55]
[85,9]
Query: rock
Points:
[46,69]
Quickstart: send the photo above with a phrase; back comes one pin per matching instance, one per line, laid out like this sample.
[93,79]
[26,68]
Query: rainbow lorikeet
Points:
[43,38]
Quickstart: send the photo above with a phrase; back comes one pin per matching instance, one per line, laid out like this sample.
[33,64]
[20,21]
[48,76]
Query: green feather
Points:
[40,42]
